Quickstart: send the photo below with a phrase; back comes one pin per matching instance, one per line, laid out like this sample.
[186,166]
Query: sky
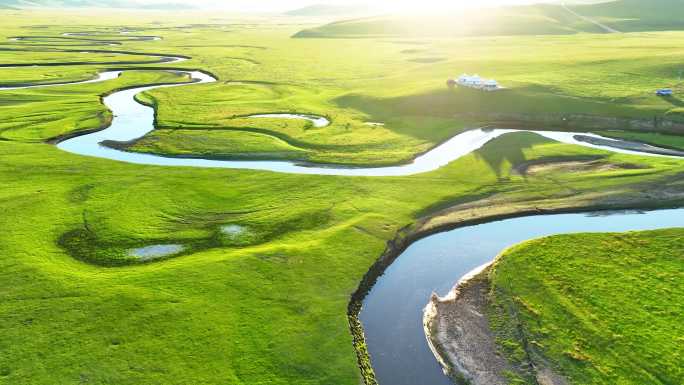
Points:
[380,5]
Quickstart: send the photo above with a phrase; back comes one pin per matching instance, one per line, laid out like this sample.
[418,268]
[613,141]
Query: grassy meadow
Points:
[268,306]
[354,82]
[602,308]
[402,85]
[635,15]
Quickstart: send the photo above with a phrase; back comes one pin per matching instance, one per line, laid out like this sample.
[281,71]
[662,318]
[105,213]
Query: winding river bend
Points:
[399,351]
[133,120]
[392,312]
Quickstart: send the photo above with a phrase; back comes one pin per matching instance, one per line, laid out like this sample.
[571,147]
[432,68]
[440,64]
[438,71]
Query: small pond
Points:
[150,253]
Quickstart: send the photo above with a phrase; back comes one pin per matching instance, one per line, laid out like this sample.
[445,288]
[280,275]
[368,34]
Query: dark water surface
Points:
[392,313]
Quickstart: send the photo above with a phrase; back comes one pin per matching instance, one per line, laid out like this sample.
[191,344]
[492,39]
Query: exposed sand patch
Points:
[459,333]
[570,166]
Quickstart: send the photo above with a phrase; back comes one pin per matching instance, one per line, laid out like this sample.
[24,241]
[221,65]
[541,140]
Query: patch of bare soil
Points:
[546,376]
[460,336]
[570,166]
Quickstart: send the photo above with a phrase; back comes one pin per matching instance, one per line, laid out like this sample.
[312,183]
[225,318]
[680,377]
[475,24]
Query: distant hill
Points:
[539,19]
[14,4]
[637,15]
[331,10]
[544,19]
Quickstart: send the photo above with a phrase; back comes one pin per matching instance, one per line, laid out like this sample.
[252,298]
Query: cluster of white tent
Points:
[475,81]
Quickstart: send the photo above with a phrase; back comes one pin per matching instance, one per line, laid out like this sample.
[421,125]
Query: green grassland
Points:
[270,306]
[400,83]
[267,310]
[602,308]
[20,57]
[29,115]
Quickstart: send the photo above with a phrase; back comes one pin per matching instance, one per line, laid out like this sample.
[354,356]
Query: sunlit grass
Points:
[586,302]
[269,308]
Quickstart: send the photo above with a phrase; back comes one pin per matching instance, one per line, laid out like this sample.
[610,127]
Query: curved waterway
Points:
[101,77]
[317,121]
[75,38]
[132,120]
[392,313]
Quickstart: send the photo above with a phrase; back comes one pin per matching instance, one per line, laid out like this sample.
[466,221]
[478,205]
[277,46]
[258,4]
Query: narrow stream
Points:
[101,77]
[317,121]
[392,312]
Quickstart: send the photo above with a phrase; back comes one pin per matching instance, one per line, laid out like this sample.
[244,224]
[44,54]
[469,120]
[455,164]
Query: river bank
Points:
[575,122]
[561,309]
[487,210]
[460,334]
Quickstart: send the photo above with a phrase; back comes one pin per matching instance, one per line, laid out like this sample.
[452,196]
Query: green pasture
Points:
[268,306]
[355,83]
[268,309]
[598,308]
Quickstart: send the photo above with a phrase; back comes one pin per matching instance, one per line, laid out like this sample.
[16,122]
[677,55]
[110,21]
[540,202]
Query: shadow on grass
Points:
[449,104]
[508,151]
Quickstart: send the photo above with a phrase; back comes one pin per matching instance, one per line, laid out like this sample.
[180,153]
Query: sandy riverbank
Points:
[458,330]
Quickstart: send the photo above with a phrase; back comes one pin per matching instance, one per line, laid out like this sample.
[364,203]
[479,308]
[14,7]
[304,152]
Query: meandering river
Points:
[392,312]
[133,120]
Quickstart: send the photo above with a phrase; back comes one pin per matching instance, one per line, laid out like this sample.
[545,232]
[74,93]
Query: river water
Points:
[392,312]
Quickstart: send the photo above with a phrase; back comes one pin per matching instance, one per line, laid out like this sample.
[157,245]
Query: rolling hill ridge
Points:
[538,19]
